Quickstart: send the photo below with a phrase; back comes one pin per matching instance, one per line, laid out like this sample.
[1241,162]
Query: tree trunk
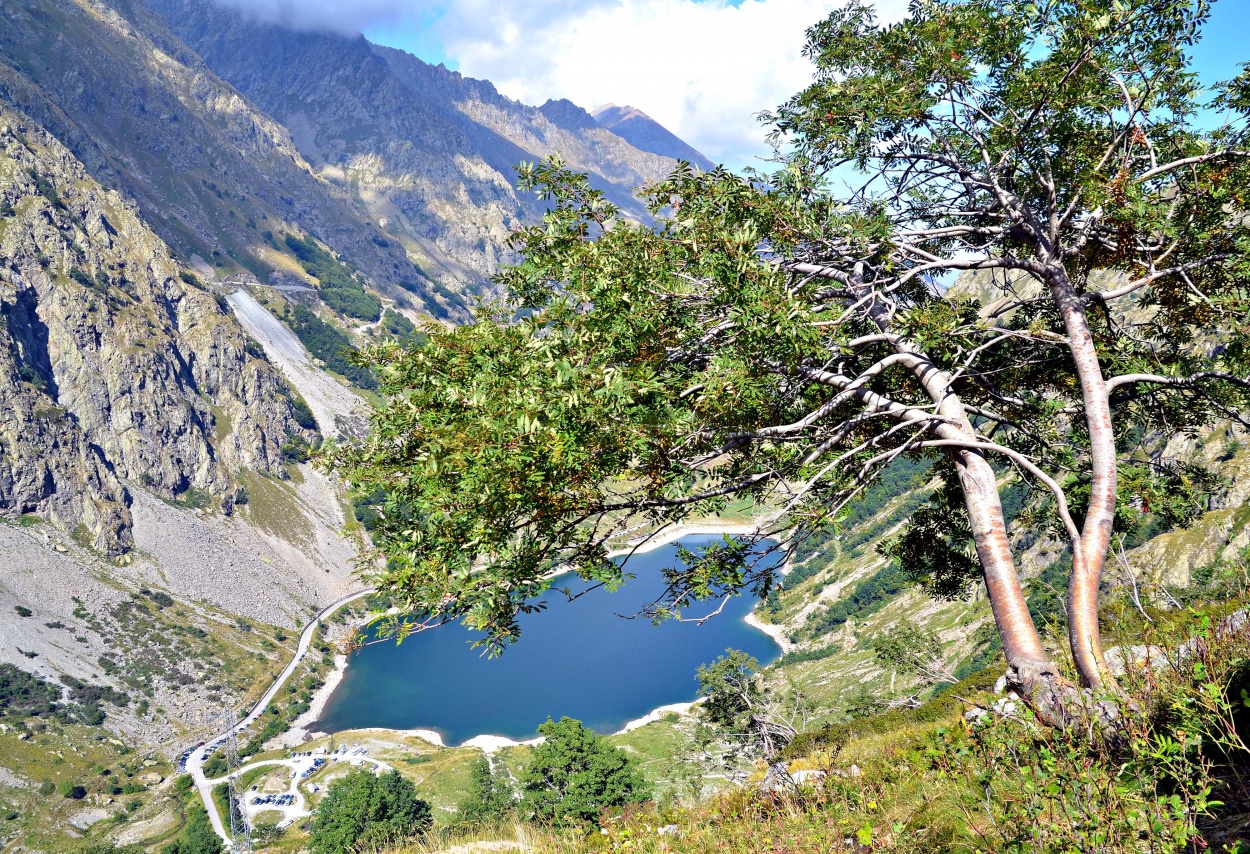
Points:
[1030,672]
[1087,565]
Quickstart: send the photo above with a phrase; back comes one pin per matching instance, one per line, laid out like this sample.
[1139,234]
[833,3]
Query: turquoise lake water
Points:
[576,658]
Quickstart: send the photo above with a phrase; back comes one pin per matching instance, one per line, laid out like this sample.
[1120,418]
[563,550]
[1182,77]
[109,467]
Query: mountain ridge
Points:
[644,132]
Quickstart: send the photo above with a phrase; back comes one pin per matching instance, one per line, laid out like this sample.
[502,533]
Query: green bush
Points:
[576,773]
[361,810]
[490,796]
[23,611]
[198,837]
[303,413]
[215,766]
[74,791]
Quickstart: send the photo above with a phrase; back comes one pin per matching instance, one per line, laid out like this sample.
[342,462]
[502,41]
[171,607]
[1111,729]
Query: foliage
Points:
[331,346]
[302,412]
[366,508]
[394,325]
[45,188]
[339,287]
[24,695]
[215,766]
[198,836]
[575,774]
[23,611]
[361,809]
[730,687]
[913,651]
[490,795]
[774,330]
[1048,589]
[70,789]
[865,599]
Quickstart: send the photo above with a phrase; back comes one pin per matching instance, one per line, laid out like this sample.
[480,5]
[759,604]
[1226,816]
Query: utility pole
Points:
[240,834]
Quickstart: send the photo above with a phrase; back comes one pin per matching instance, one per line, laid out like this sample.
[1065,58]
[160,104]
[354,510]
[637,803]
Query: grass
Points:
[66,753]
[275,507]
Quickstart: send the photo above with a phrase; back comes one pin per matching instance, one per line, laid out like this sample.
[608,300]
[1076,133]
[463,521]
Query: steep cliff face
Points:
[112,368]
[428,152]
[210,172]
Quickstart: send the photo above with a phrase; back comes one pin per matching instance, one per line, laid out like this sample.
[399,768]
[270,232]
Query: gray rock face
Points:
[645,133]
[111,367]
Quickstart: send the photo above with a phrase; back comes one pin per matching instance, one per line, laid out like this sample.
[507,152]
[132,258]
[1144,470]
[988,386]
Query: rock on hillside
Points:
[425,150]
[111,367]
[645,133]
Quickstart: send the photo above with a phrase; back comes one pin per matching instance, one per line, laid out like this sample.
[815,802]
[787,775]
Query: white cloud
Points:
[337,16]
[702,69]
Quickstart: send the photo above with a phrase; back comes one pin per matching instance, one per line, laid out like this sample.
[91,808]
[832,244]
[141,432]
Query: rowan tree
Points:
[783,339]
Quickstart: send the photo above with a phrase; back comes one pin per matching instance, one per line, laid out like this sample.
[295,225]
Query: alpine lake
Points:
[578,658]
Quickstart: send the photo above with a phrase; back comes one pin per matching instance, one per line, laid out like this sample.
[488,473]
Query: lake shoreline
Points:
[304,728]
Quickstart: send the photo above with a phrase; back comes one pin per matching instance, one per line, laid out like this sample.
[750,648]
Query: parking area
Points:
[292,785]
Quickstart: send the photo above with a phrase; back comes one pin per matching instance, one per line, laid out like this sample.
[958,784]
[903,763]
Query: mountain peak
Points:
[646,134]
[565,112]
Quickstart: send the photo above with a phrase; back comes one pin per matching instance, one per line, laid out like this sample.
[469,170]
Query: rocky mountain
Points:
[645,133]
[426,152]
[210,173]
[113,369]
[145,140]
[229,134]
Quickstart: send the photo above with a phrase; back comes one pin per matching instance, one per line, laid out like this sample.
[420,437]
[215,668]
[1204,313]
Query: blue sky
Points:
[703,68]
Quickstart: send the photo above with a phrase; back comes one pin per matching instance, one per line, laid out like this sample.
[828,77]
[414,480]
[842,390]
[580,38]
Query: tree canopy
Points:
[490,795]
[784,338]
[360,809]
[576,773]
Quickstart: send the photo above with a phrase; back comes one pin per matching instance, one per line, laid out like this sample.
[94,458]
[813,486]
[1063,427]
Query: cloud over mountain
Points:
[702,68]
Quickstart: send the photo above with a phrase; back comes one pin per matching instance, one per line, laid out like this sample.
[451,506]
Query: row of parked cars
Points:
[274,800]
[308,772]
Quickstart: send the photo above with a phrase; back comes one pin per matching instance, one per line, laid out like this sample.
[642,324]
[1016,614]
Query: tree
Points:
[198,837]
[914,651]
[361,809]
[775,338]
[70,789]
[490,796]
[575,773]
[1052,144]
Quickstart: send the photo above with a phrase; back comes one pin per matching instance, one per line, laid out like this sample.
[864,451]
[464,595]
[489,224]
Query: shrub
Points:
[23,611]
[198,837]
[68,789]
[576,773]
[490,796]
[360,810]
[303,413]
[215,766]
